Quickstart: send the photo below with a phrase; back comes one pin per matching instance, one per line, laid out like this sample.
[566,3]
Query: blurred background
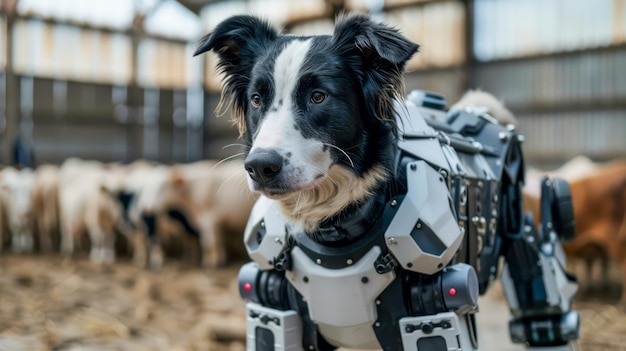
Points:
[114,83]
[114,80]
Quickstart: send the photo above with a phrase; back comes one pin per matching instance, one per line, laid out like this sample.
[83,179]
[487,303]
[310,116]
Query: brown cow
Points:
[600,211]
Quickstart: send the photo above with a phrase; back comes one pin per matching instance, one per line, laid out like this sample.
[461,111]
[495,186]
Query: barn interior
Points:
[110,90]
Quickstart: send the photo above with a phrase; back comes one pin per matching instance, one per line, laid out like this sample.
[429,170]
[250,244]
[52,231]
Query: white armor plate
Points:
[341,299]
[427,202]
[266,214]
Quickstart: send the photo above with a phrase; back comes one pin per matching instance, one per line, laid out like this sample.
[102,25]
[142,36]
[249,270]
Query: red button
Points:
[452,291]
[247,286]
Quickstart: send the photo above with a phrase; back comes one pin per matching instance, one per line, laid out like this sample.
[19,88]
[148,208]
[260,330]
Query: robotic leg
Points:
[269,329]
[538,289]
[271,322]
[447,331]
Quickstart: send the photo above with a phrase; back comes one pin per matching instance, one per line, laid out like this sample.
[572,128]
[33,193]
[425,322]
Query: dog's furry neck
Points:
[342,188]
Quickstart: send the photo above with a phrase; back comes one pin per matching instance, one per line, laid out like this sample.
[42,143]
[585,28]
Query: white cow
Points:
[138,195]
[203,198]
[87,206]
[16,201]
[45,203]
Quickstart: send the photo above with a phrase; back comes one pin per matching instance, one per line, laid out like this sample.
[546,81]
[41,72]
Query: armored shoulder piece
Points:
[266,237]
[480,163]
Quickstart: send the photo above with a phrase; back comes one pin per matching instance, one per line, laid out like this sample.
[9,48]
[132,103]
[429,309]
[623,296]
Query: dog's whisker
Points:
[227,180]
[332,180]
[297,205]
[343,152]
[236,144]
[327,175]
[228,158]
[224,160]
[302,201]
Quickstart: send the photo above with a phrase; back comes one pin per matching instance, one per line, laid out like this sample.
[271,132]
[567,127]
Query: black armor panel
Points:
[486,192]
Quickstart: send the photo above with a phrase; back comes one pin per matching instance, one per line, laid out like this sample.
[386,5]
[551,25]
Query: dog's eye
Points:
[256,100]
[318,97]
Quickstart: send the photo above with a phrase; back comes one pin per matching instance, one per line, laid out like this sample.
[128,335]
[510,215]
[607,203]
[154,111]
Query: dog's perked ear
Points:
[238,42]
[381,53]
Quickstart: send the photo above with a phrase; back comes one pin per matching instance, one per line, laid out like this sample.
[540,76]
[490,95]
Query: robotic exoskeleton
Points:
[428,245]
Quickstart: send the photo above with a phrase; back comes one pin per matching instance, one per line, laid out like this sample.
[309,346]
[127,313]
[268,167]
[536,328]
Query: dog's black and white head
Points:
[317,111]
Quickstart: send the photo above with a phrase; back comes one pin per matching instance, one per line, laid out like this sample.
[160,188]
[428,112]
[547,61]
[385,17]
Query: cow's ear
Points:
[177,178]
[238,42]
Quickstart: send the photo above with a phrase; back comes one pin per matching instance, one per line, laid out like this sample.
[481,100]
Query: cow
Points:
[15,198]
[206,199]
[86,207]
[45,204]
[599,200]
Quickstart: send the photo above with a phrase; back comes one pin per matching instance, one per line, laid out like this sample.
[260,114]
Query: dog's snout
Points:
[263,165]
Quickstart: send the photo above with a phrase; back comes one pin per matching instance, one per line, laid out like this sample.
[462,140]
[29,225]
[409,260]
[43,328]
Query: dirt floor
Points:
[56,303]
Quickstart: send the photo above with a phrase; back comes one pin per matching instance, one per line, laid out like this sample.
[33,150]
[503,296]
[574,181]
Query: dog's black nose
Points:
[263,165]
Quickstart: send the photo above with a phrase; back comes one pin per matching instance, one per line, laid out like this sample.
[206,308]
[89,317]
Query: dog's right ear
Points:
[236,37]
[238,42]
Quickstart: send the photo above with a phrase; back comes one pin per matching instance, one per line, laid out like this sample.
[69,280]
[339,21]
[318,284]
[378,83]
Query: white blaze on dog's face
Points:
[277,143]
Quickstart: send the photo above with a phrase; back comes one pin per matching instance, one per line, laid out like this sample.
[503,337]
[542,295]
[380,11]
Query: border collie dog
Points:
[358,236]
[317,111]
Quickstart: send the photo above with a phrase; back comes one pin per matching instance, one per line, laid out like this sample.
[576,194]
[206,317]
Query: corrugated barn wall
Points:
[118,92]
[561,67]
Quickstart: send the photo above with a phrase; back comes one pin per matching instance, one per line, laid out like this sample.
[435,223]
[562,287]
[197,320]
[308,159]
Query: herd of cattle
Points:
[88,206]
[203,207]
